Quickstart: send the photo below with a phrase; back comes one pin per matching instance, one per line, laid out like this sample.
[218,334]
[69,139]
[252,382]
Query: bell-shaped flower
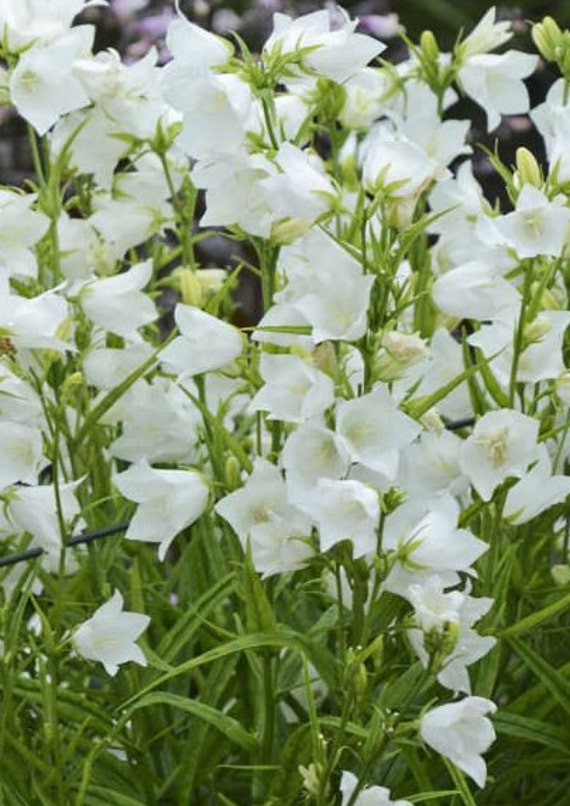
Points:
[503,443]
[39,511]
[535,492]
[43,86]
[118,304]
[496,83]
[205,344]
[475,291]
[193,47]
[33,323]
[245,206]
[461,732]
[172,437]
[21,449]
[93,147]
[294,391]
[552,119]
[444,631]
[425,539]
[262,516]
[369,796]
[488,34]
[343,510]
[313,452]
[168,502]
[20,229]
[106,367]
[109,635]
[298,188]
[216,109]
[336,54]
[23,23]
[373,430]
[537,226]
[430,466]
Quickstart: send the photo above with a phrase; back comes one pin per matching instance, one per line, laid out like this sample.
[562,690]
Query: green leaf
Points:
[534,619]
[459,780]
[187,625]
[227,725]
[102,796]
[532,730]
[557,684]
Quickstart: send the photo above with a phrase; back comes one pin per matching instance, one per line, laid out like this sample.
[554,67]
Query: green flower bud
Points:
[528,169]
[429,46]
[547,37]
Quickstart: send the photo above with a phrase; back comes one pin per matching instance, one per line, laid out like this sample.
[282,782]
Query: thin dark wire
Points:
[457,424]
[76,540]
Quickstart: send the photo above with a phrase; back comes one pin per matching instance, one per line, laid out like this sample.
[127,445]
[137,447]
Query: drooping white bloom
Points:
[460,731]
[118,304]
[449,616]
[205,343]
[109,635]
[369,796]
[495,83]
[373,430]
[503,444]
[294,391]
[169,501]
[260,513]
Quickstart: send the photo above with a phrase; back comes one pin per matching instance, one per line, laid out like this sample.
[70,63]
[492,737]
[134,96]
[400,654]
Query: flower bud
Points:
[429,46]
[232,473]
[287,230]
[536,330]
[547,37]
[189,286]
[528,169]
[560,575]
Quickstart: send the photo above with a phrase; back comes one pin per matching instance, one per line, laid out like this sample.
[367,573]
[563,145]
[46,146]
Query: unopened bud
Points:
[189,286]
[429,46]
[547,37]
[536,330]
[560,575]
[287,230]
[232,473]
[528,169]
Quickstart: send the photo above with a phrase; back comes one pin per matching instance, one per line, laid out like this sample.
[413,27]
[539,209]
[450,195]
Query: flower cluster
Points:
[345,495]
